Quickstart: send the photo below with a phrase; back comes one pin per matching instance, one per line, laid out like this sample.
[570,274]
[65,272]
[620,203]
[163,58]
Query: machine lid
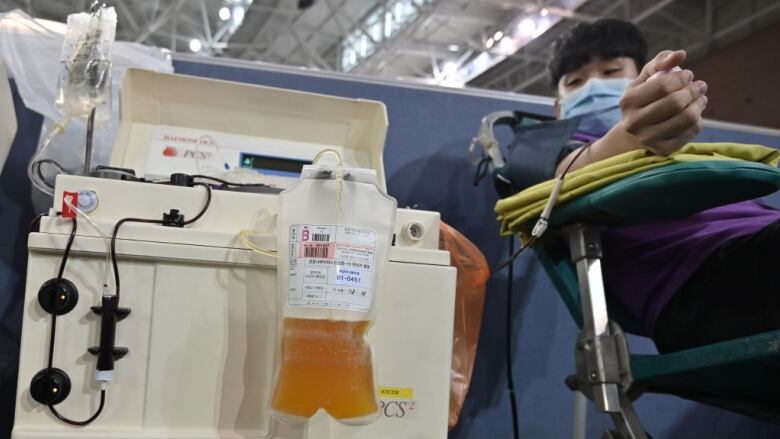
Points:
[179,123]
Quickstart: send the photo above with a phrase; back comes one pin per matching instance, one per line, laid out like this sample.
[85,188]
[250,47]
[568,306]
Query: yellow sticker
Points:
[396,392]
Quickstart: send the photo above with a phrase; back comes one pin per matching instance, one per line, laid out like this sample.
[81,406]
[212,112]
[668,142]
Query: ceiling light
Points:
[498,35]
[507,46]
[526,27]
[238,14]
[489,43]
[195,45]
[541,26]
[224,13]
[453,48]
[450,68]
[544,12]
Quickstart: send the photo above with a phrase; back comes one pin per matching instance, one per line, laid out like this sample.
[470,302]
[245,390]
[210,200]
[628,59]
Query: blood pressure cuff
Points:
[534,153]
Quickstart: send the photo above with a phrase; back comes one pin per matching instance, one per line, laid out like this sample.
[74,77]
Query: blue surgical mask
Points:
[596,103]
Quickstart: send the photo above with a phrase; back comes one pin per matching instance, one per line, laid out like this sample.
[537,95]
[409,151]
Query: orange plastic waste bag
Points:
[473,274]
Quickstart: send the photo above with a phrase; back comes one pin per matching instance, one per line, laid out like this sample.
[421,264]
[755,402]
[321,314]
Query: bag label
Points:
[331,266]
[397,402]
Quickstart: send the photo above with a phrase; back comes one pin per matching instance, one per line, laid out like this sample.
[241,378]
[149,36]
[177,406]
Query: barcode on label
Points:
[315,252]
[321,237]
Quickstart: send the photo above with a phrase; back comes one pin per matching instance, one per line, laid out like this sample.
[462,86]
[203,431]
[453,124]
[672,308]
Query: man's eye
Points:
[573,82]
[609,72]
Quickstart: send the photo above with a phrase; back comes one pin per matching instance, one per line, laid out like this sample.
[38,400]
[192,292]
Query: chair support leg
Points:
[602,369]
[580,426]
[627,421]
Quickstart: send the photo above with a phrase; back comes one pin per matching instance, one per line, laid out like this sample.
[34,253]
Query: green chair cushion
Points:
[672,191]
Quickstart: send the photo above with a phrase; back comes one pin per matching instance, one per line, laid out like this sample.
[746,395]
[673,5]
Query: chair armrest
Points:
[669,192]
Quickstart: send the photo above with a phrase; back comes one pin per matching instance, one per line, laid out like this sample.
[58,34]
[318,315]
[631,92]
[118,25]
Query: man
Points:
[692,281]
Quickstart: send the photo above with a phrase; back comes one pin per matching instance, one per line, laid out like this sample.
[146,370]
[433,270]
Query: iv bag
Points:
[85,62]
[333,243]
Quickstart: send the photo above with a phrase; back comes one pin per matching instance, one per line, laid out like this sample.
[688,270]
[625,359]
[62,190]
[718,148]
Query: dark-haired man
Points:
[693,281]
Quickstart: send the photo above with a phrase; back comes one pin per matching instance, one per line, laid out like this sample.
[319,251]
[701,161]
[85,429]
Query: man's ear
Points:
[557,108]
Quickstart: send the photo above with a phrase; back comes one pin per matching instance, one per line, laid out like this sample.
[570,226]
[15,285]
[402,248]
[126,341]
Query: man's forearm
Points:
[615,142]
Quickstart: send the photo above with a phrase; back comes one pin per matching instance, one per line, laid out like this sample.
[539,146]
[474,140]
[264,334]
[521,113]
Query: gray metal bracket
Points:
[601,360]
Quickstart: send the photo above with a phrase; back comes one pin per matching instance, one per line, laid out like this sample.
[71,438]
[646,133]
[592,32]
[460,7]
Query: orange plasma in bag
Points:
[325,363]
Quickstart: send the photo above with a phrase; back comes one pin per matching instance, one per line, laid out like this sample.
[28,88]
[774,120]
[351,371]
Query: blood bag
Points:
[335,231]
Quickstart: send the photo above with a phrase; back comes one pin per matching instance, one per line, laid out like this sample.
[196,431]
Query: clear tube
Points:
[91,222]
[244,237]
[339,174]
[34,165]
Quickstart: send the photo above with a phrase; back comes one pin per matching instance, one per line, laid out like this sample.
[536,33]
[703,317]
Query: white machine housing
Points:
[202,335]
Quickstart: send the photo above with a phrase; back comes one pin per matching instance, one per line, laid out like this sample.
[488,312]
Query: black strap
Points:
[482,169]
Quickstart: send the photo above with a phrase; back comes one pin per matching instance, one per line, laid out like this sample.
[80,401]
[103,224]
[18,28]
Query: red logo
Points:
[172,151]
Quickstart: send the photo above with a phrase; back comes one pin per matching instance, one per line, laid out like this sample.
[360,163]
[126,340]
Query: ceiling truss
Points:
[444,36]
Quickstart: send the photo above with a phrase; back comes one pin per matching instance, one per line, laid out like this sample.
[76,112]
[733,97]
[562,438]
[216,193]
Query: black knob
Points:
[58,296]
[107,352]
[50,387]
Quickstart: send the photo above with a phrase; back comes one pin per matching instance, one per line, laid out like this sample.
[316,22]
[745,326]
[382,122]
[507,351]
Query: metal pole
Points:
[90,135]
[508,346]
[580,415]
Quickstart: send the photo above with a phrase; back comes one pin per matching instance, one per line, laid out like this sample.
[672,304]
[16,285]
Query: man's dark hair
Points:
[606,38]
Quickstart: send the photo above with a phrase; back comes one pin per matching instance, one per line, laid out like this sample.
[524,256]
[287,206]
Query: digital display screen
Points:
[273,165]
